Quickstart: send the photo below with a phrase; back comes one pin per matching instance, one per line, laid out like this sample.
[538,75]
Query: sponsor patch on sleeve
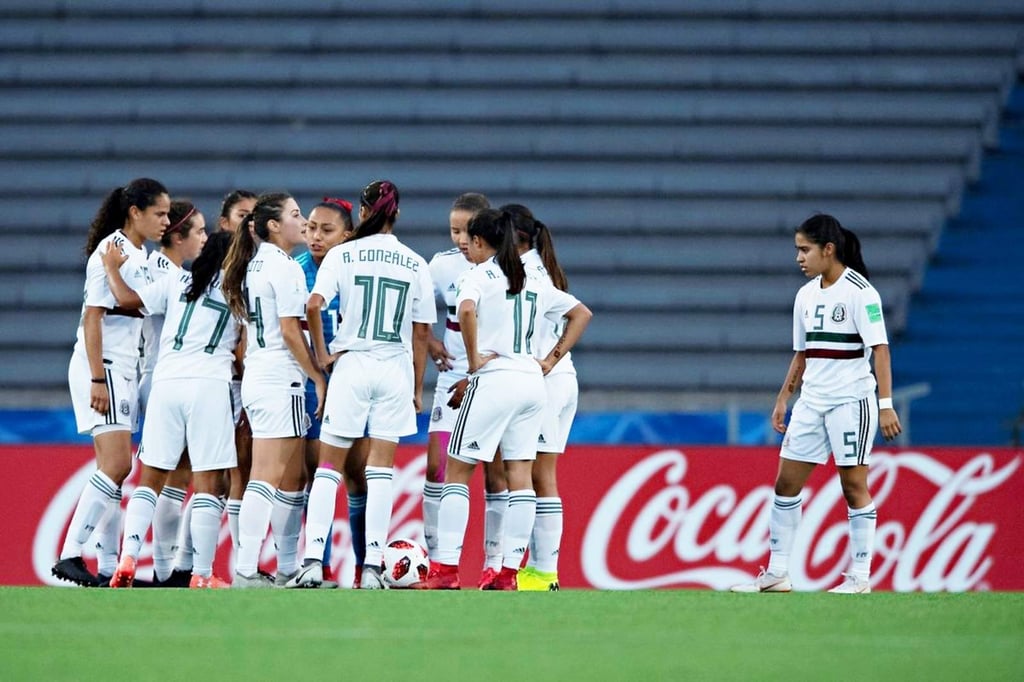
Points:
[874,312]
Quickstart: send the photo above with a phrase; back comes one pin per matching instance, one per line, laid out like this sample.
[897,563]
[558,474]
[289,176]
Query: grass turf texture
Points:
[52,633]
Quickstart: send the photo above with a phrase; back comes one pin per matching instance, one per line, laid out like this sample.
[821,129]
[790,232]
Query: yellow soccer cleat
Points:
[532,580]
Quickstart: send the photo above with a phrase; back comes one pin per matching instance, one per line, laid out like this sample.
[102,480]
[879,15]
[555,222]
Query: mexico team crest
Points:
[435,415]
[839,313]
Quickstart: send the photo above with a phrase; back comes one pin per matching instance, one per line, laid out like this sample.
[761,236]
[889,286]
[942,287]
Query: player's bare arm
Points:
[888,420]
[794,377]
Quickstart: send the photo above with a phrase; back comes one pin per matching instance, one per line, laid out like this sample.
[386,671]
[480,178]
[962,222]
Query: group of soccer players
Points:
[332,349]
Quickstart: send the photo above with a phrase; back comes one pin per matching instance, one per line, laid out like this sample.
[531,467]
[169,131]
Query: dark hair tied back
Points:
[822,229]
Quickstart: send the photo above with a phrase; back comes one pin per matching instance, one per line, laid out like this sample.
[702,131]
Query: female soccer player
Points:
[190,404]
[379,357]
[329,224]
[449,357]
[266,287]
[499,309]
[181,242]
[103,373]
[837,327]
[538,253]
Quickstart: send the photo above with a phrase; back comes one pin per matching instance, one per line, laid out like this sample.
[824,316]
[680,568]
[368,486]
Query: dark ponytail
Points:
[243,247]
[208,264]
[380,198]
[113,212]
[822,229]
[534,234]
[496,228]
[181,217]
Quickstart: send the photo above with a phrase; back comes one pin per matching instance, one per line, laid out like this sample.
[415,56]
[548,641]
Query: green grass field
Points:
[51,633]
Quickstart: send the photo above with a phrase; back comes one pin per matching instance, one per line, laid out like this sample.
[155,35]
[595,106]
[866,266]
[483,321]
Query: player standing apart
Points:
[103,373]
[379,357]
[449,357]
[837,327]
[266,287]
[499,308]
[190,405]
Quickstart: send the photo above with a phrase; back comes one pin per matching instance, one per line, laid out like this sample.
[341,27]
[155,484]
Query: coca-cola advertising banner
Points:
[649,517]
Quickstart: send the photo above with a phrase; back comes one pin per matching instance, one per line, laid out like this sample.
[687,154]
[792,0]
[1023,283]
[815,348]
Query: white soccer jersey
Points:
[159,267]
[275,287]
[121,328]
[836,328]
[548,332]
[199,337]
[506,326]
[384,287]
[445,269]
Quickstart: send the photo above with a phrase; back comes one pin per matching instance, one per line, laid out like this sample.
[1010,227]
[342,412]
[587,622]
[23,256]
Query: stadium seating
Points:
[671,146]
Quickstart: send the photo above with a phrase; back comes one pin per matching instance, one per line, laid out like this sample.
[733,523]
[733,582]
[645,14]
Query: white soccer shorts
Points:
[275,409]
[442,417]
[371,396]
[123,389]
[503,408]
[846,431]
[189,412]
[563,395]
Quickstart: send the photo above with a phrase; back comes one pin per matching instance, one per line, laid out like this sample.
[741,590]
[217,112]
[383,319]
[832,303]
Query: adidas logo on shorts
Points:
[473,446]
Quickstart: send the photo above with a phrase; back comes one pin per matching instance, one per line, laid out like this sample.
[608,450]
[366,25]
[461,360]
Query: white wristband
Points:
[885,403]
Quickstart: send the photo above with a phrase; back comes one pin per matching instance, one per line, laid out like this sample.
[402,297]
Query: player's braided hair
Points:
[380,198]
[113,212]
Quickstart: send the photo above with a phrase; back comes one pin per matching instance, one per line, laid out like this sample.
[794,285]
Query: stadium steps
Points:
[671,146]
[965,331]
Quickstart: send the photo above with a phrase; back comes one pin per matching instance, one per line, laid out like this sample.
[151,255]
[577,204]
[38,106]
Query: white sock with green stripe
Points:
[253,521]
[431,504]
[547,535]
[452,518]
[92,504]
[495,506]
[137,519]
[285,525]
[233,507]
[379,500]
[862,539]
[205,529]
[108,536]
[323,499]
[166,522]
[522,509]
[183,549]
[782,525]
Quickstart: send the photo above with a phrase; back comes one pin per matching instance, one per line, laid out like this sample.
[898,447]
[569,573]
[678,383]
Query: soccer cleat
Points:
[210,582]
[852,585]
[256,581]
[487,577]
[444,577]
[530,579]
[124,576]
[329,584]
[310,575]
[177,578]
[73,570]
[765,582]
[103,580]
[281,579]
[505,581]
[372,579]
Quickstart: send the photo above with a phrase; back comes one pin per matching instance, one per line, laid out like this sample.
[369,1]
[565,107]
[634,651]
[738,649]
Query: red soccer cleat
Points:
[212,582]
[488,576]
[444,577]
[505,581]
[124,576]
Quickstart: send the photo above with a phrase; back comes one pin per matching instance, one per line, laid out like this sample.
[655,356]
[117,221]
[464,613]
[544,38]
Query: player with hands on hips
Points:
[499,307]
[838,326]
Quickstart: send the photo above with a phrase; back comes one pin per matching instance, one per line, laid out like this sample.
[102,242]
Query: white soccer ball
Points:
[405,563]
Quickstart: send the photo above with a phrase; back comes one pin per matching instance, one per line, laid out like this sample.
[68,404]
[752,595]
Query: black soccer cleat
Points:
[73,570]
[177,578]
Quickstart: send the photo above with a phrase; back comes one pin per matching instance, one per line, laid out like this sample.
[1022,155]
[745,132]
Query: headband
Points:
[338,202]
[178,225]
